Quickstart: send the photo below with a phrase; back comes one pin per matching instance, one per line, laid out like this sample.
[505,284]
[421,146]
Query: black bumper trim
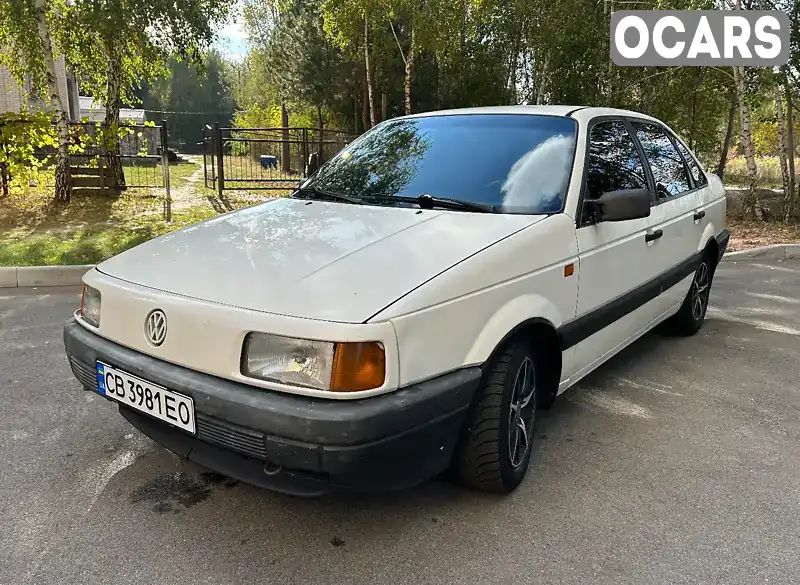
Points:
[384,442]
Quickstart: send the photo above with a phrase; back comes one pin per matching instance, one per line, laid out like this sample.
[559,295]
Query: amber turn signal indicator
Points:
[358,366]
[569,270]
[83,295]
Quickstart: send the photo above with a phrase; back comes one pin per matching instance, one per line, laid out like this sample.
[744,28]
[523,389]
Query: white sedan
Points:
[410,306]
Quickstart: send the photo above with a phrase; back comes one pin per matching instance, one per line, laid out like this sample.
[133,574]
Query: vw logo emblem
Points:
[155,327]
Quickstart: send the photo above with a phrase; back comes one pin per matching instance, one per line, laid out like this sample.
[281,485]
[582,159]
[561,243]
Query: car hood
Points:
[318,260]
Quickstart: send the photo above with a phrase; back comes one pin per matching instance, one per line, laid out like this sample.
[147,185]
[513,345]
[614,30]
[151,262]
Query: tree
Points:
[25,34]
[188,88]
[306,66]
[348,23]
[122,43]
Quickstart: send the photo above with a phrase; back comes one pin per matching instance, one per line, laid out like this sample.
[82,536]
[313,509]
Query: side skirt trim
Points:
[575,331]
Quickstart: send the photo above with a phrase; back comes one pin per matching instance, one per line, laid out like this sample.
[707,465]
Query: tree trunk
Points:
[752,203]
[462,55]
[438,81]
[787,190]
[63,190]
[697,78]
[792,202]
[365,109]
[111,122]
[723,159]
[513,59]
[356,108]
[321,140]
[5,179]
[409,74]
[542,85]
[286,155]
[373,112]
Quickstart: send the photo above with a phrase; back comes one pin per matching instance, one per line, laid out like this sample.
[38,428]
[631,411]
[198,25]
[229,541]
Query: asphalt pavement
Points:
[676,462]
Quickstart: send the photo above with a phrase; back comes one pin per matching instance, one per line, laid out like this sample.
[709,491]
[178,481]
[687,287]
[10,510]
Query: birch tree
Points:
[782,153]
[122,43]
[26,50]
[752,204]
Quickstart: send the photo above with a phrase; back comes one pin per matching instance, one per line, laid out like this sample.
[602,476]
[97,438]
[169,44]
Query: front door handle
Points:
[699,215]
[653,235]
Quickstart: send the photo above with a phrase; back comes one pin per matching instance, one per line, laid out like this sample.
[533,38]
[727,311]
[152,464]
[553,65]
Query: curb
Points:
[30,276]
[776,252]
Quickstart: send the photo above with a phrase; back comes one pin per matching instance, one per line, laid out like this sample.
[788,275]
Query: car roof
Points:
[540,110]
[554,110]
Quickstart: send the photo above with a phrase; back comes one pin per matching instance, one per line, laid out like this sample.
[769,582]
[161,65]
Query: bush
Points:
[768,168]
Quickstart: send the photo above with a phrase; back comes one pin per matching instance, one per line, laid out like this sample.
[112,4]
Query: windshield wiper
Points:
[426,201]
[330,195]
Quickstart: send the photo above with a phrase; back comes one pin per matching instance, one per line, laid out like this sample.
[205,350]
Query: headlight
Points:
[90,305]
[338,367]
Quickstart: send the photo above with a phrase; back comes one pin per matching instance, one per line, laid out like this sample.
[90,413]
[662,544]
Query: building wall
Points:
[13,97]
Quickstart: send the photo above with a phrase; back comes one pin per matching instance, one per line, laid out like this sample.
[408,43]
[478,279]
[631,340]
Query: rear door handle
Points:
[699,215]
[653,235]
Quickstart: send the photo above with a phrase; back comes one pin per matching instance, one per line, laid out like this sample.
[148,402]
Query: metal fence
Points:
[265,158]
[141,153]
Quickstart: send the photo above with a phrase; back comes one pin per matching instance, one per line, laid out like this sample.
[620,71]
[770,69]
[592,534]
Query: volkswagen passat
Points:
[410,306]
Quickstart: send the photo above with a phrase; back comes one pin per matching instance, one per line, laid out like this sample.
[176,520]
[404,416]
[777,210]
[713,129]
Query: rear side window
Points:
[666,164]
[613,161]
[694,168]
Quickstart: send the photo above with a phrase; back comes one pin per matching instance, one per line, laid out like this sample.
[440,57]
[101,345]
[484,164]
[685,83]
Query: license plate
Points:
[172,408]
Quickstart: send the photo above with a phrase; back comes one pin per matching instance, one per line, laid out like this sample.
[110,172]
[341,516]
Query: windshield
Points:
[513,163]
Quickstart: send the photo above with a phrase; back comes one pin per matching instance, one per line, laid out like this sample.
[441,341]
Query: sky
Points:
[232,39]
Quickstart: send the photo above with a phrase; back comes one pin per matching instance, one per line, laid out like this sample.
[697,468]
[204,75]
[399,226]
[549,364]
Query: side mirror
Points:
[623,205]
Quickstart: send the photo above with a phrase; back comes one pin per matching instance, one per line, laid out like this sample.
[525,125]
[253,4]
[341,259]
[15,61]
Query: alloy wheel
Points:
[700,291]
[521,413]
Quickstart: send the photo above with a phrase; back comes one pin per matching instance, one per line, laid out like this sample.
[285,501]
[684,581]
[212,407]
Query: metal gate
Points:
[265,159]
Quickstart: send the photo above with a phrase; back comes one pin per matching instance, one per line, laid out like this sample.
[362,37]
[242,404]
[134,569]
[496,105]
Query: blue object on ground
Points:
[269,162]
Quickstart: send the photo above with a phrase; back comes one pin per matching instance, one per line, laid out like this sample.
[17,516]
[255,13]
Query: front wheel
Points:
[689,318]
[495,449]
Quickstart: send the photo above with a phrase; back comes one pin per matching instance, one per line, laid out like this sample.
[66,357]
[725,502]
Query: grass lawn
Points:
[91,243]
[36,232]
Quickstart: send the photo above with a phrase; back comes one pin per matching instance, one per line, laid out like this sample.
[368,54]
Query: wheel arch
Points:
[520,314]
[708,243]
[538,328]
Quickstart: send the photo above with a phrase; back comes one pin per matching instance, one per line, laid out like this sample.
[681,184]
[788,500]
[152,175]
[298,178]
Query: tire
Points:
[488,458]
[689,318]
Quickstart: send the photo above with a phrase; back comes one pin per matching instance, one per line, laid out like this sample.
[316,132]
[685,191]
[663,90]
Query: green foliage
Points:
[20,47]
[23,142]
[136,37]
[188,88]
[307,67]
[769,172]
[29,142]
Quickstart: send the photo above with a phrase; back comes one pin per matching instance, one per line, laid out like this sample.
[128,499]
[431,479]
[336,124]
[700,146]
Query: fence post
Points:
[305,153]
[165,170]
[205,155]
[4,165]
[101,167]
[220,162]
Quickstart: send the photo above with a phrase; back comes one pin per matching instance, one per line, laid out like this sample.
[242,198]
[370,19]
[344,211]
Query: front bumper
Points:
[295,444]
